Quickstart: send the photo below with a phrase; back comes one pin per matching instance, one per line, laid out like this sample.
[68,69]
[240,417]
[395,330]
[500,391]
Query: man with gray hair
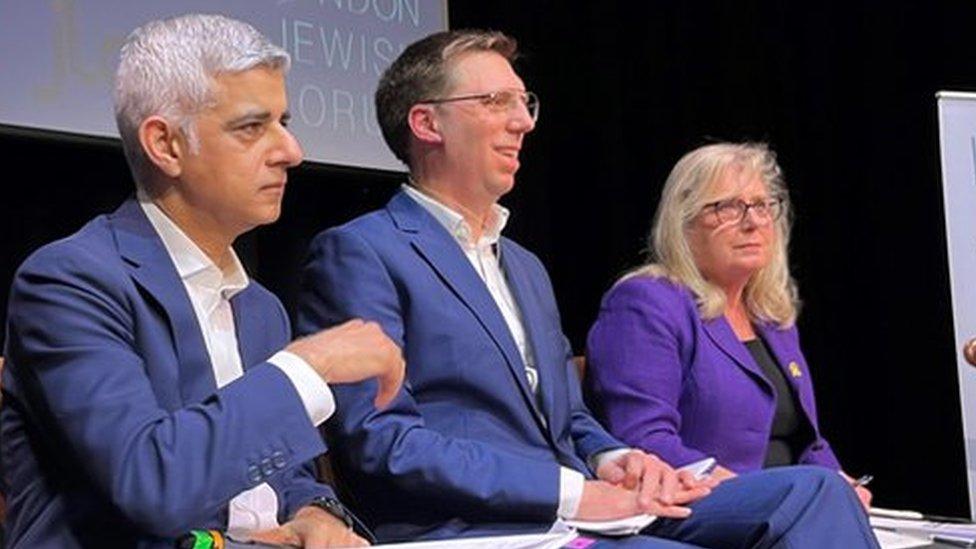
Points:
[151,386]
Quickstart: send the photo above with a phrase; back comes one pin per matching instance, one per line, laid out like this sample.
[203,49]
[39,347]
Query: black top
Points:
[791,431]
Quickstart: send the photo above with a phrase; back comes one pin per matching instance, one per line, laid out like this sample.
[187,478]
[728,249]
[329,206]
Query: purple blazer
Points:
[664,380]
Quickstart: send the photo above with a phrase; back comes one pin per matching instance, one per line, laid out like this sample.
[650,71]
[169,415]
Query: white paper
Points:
[701,468]
[895,513]
[620,527]
[523,541]
[894,540]
[926,528]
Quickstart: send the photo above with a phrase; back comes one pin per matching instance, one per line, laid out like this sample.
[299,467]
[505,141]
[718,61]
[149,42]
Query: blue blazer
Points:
[673,384]
[464,449]
[113,430]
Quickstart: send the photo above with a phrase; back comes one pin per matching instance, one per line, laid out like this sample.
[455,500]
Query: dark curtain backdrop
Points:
[843,91]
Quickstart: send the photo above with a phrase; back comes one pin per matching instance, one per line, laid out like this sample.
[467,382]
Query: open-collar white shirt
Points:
[484,256]
[210,290]
[485,260]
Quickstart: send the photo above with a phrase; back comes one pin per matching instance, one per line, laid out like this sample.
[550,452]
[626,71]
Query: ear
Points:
[163,144]
[424,125]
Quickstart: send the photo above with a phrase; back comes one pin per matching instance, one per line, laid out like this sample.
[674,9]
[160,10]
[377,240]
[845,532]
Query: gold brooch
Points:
[795,370]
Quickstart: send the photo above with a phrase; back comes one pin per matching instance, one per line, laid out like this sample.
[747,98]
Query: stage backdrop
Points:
[58,58]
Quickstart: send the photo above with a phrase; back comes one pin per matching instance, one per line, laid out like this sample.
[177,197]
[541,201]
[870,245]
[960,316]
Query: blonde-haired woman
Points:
[696,354]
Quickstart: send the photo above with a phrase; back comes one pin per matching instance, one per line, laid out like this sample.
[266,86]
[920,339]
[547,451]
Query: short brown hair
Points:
[420,73]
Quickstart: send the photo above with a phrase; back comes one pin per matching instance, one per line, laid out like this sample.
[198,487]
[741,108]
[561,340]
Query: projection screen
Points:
[58,57]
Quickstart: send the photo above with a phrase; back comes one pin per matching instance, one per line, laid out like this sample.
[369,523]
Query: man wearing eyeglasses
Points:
[489,434]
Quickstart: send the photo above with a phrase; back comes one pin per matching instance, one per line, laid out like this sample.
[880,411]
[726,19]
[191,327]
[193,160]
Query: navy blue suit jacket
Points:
[465,448]
[113,430]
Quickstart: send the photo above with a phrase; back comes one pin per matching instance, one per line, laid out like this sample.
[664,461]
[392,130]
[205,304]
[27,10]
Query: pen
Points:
[863,480]
[710,465]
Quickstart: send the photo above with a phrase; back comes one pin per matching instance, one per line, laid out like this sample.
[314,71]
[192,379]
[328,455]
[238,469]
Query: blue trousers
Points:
[784,507]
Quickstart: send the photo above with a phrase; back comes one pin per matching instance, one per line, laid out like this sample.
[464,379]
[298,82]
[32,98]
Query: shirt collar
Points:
[193,266]
[454,222]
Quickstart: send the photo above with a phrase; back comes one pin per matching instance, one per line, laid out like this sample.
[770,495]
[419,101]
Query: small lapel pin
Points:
[795,370]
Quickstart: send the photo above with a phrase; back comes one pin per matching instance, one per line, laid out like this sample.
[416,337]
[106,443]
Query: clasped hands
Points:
[635,483]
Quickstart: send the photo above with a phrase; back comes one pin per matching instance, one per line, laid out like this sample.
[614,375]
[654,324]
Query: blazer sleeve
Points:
[345,278]
[589,437]
[637,360]
[297,486]
[75,351]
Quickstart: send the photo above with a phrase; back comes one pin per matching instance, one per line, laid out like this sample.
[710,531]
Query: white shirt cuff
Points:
[570,492]
[596,460]
[312,389]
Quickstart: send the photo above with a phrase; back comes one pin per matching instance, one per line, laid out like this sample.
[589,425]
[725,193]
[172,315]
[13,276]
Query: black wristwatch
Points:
[334,508]
[339,511]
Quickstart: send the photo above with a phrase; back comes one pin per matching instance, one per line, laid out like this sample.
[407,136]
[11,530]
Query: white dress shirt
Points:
[485,261]
[210,290]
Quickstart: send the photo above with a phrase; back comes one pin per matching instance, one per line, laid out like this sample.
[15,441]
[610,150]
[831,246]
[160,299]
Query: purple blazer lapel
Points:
[790,361]
[720,332]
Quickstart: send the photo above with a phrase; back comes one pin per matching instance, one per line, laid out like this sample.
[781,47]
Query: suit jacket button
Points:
[254,473]
[267,467]
[279,460]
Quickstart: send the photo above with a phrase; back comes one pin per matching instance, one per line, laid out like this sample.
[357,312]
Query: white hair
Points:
[167,68]
[770,294]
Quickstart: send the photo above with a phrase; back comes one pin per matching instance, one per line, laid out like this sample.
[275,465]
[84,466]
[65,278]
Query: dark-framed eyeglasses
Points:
[498,101]
[734,210]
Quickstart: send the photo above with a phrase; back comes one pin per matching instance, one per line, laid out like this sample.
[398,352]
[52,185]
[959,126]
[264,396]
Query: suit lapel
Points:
[433,243]
[547,362]
[153,270]
[532,323]
[787,360]
[250,326]
[720,332]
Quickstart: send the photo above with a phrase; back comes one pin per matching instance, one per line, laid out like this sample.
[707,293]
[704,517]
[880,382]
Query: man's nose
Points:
[289,150]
